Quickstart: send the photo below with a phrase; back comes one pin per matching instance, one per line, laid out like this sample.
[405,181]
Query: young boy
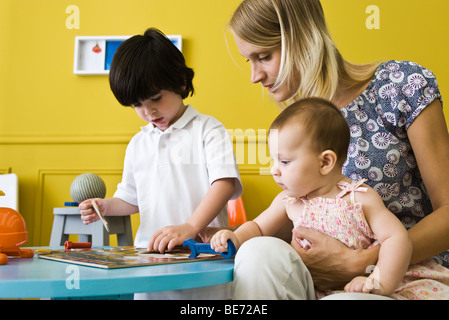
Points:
[179,171]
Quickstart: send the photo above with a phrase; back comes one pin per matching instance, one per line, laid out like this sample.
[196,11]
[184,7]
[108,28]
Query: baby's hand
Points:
[364,285]
[219,241]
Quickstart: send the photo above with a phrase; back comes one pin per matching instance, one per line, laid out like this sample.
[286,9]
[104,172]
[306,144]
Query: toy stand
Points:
[67,221]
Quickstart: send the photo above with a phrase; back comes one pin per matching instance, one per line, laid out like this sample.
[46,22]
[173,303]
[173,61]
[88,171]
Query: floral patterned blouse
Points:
[380,150]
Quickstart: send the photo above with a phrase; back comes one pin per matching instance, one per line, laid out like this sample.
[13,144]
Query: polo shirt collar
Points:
[189,114]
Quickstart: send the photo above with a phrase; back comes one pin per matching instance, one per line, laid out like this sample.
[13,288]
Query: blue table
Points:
[39,278]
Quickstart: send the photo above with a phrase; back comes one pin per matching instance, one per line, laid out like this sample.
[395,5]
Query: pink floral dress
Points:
[346,222]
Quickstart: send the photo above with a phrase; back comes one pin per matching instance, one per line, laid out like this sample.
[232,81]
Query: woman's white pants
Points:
[269,268]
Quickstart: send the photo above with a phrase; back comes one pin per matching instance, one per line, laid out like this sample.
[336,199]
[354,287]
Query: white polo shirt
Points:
[167,174]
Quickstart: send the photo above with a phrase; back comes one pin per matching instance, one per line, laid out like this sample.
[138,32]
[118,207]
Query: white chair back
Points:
[10,186]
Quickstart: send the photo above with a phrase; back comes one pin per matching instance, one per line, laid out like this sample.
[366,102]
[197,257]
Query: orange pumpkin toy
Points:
[12,234]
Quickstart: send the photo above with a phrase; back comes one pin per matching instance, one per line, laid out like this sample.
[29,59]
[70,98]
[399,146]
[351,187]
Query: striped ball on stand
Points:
[87,186]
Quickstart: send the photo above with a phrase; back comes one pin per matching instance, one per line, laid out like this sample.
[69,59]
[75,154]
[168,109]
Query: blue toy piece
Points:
[197,248]
[71,204]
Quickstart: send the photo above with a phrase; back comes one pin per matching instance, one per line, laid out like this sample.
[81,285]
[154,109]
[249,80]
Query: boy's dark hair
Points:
[143,65]
[321,119]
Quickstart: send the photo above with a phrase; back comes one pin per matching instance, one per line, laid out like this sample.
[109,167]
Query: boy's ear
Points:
[328,159]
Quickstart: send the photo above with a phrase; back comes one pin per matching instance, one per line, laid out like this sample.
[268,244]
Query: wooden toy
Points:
[97,210]
[87,186]
[77,245]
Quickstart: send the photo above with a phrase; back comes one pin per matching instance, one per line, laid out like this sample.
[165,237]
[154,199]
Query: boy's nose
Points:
[149,111]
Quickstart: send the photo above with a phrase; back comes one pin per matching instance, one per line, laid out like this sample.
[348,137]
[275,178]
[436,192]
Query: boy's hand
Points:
[169,237]
[219,241]
[88,214]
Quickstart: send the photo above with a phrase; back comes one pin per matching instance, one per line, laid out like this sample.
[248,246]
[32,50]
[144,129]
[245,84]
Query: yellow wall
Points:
[55,125]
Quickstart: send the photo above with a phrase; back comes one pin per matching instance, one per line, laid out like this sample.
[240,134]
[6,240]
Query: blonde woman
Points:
[399,143]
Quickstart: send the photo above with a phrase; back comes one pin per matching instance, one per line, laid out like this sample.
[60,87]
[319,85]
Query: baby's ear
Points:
[328,159]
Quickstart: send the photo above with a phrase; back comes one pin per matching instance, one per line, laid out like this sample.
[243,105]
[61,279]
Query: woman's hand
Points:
[330,262]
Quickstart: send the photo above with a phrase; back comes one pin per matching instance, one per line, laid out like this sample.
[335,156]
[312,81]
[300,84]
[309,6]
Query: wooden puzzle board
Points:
[123,257]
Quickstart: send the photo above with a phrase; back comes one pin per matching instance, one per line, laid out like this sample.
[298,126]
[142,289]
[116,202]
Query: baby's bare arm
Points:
[395,244]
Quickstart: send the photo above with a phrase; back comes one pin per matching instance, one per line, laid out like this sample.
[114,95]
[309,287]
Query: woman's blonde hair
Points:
[299,28]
